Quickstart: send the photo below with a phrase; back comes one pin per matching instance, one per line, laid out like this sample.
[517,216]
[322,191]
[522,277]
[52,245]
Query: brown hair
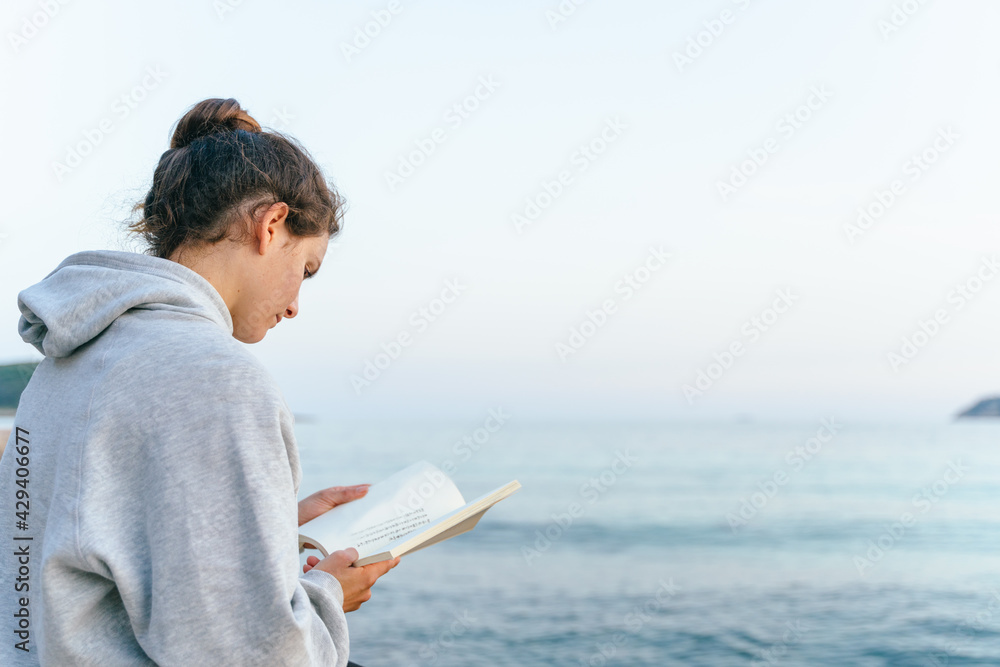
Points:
[222,167]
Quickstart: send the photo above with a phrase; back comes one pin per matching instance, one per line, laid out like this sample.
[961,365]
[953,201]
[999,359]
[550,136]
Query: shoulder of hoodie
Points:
[200,358]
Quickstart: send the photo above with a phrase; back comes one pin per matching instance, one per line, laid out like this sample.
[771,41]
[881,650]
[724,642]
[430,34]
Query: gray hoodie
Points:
[149,484]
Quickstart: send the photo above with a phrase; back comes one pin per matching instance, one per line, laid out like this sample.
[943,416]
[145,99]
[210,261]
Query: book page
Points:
[454,523]
[396,506]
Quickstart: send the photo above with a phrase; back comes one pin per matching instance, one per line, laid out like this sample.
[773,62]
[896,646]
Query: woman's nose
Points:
[293,308]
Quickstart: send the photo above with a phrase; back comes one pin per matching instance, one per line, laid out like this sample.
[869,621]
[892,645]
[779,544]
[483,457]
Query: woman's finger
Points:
[326,499]
[336,495]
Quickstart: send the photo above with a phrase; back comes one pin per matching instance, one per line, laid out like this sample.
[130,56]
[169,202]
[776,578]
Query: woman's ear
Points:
[271,225]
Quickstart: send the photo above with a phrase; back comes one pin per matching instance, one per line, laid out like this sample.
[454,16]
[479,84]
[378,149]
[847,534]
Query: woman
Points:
[152,456]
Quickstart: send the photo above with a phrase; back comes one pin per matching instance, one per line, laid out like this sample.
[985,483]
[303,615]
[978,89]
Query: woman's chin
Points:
[250,337]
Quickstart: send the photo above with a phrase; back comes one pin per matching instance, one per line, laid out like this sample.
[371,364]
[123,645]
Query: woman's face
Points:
[271,290]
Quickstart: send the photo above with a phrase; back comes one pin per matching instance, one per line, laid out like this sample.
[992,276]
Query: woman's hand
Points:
[327,499]
[356,582]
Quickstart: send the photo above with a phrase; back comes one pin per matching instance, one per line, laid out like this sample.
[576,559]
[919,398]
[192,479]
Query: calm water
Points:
[880,546]
[689,545]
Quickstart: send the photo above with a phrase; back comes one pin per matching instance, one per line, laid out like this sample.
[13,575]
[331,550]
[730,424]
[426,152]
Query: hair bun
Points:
[212,116]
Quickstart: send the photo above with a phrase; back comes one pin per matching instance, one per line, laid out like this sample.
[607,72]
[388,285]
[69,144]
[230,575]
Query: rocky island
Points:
[988,407]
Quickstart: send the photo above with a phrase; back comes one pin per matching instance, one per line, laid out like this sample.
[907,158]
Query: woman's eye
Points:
[307,274]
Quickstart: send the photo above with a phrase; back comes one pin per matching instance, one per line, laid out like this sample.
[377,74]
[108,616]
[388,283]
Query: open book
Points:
[415,508]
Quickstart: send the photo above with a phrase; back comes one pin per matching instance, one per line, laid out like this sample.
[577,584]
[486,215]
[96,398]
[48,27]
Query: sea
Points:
[650,544]
[647,544]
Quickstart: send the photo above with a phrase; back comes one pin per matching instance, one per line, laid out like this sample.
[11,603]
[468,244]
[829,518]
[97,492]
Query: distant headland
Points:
[988,407]
[13,379]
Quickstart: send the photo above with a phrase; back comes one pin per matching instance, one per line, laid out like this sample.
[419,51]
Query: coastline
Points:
[6,426]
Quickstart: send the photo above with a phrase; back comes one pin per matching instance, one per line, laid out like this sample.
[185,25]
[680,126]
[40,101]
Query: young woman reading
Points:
[152,456]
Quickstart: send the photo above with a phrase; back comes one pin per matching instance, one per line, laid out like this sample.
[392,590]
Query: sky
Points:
[722,210]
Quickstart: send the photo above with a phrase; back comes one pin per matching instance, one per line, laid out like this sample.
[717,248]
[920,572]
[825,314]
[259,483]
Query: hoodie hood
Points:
[89,290]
